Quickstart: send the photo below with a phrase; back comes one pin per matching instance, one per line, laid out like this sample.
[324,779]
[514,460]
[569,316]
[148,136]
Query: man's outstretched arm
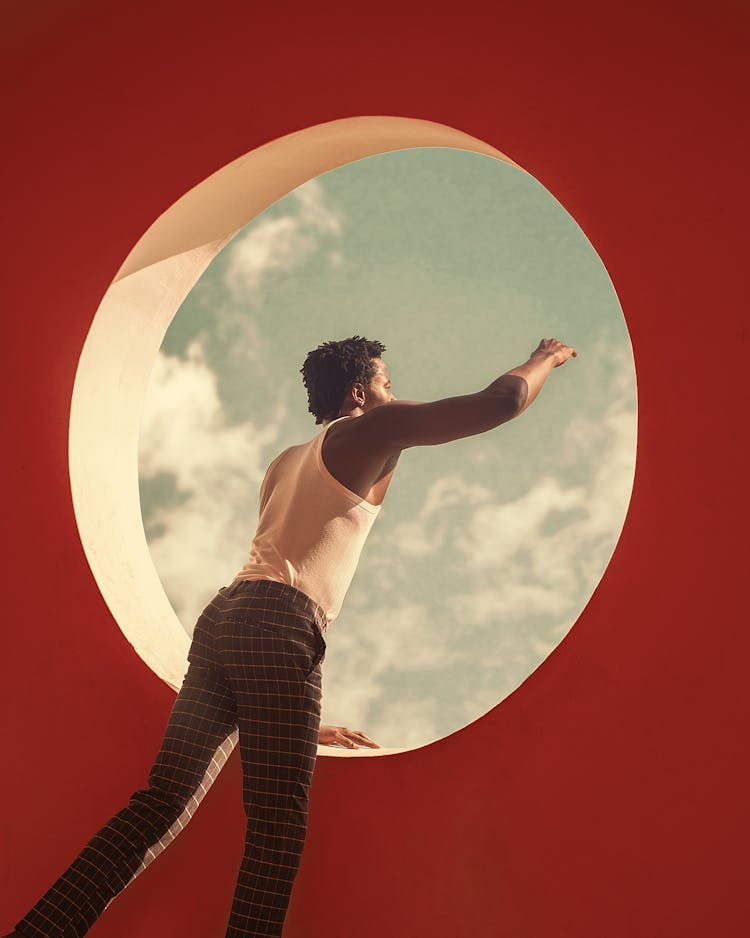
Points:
[387,430]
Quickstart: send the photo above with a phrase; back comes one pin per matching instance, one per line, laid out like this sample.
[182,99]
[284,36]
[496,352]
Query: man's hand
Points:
[341,736]
[559,352]
[549,354]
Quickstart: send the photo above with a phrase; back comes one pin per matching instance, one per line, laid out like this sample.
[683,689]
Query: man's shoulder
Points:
[370,430]
[335,428]
[291,455]
[286,454]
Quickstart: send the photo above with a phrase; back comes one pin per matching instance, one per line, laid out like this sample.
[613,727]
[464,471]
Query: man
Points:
[255,659]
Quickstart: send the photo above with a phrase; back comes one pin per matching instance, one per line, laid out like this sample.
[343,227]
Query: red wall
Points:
[608,795]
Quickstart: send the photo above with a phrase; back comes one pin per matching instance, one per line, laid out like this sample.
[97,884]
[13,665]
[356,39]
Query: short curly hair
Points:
[332,368]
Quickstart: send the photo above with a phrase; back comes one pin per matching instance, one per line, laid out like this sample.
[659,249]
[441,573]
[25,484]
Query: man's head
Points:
[345,377]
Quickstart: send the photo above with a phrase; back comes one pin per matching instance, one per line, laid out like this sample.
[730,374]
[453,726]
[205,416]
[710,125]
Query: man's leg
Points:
[276,681]
[202,719]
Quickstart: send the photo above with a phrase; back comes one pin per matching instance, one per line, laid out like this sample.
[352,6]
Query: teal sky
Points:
[486,549]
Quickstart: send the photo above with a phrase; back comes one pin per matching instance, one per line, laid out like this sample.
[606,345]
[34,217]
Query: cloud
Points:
[496,533]
[416,720]
[283,242]
[313,209]
[367,648]
[543,554]
[426,533]
[217,468]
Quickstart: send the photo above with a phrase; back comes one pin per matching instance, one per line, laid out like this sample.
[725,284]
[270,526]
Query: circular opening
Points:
[486,549]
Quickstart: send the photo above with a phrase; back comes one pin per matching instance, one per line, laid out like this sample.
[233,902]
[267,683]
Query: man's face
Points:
[379,391]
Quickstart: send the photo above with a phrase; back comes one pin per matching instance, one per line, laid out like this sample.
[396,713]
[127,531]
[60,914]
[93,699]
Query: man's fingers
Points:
[364,739]
[341,738]
[563,350]
[559,349]
[351,738]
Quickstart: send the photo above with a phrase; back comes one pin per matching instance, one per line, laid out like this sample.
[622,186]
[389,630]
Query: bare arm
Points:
[393,427]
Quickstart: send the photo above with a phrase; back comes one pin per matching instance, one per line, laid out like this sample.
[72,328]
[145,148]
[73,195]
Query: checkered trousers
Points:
[254,667]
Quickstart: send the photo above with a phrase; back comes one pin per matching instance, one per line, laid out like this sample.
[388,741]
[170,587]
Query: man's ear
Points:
[358,393]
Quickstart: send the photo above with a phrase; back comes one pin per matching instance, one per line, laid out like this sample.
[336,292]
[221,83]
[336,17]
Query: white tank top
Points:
[311,528]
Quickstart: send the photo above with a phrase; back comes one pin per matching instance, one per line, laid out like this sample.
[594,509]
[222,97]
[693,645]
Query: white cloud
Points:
[367,646]
[426,533]
[313,209]
[496,533]
[523,569]
[452,490]
[283,242]
[508,597]
[415,720]
[217,467]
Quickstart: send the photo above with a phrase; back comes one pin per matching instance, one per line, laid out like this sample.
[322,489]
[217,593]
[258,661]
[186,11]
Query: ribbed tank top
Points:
[311,528]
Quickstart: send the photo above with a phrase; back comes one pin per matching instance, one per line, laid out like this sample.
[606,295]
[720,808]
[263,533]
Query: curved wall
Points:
[127,330]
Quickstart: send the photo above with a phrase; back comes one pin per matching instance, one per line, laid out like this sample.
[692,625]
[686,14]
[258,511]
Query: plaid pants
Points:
[254,666]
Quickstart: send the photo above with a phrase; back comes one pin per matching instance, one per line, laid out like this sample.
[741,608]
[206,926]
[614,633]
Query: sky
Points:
[486,549]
